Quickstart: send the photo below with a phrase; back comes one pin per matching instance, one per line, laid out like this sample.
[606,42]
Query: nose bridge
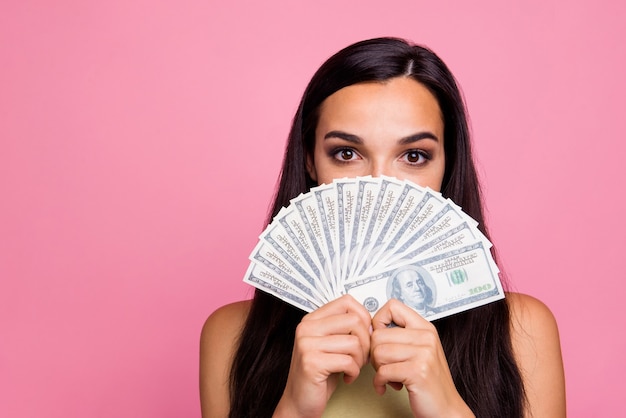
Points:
[380,167]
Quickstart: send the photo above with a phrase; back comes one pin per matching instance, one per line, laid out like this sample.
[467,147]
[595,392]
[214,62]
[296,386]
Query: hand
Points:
[411,355]
[331,340]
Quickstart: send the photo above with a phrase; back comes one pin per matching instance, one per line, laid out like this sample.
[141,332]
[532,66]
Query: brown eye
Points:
[416,157]
[413,157]
[346,154]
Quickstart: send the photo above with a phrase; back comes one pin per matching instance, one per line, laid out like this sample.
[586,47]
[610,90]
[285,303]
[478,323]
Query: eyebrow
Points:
[403,141]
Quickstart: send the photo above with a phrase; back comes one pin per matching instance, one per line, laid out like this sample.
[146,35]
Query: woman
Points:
[381,107]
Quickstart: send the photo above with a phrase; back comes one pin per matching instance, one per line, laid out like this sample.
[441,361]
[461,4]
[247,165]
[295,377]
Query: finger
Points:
[321,369]
[426,336]
[343,304]
[393,375]
[342,324]
[398,345]
[420,361]
[386,354]
[422,371]
[349,345]
[313,353]
[338,363]
[381,380]
[334,310]
[397,313]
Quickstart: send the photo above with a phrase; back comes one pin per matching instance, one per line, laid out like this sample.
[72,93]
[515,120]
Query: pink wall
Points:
[140,143]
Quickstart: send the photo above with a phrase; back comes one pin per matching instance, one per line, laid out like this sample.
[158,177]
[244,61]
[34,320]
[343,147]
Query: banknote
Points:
[274,284]
[407,238]
[376,238]
[435,286]
[275,252]
[327,211]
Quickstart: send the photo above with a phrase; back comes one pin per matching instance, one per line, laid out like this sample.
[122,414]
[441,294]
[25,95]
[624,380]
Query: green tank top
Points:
[359,400]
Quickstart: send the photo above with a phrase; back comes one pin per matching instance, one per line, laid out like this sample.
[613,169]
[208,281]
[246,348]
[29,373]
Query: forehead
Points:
[401,103]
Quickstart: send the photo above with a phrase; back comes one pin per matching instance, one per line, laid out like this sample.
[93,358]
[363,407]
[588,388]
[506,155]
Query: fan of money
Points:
[375,238]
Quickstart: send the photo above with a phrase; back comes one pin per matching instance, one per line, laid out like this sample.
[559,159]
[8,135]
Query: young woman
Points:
[381,107]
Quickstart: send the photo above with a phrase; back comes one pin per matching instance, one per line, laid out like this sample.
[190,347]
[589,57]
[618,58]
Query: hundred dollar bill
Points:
[456,237]
[268,281]
[326,198]
[276,251]
[435,216]
[415,208]
[312,222]
[346,198]
[407,238]
[384,194]
[295,228]
[435,287]
[367,191]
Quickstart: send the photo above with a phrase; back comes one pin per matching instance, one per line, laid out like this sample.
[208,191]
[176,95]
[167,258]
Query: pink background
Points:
[140,143]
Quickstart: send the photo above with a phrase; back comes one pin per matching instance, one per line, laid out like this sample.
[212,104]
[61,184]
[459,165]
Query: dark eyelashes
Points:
[421,152]
[333,153]
[424,154]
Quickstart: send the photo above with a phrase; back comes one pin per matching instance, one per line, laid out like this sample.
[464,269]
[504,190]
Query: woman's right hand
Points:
[331,340]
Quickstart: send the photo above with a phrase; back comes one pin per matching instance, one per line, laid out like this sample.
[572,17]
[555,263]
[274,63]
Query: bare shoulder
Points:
[537,348]
[226,316]
[218,342]
[530,315]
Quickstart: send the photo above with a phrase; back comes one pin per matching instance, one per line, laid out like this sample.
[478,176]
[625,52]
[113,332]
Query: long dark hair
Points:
[477,343]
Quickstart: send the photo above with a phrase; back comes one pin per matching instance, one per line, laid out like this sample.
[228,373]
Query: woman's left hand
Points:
[411,354]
